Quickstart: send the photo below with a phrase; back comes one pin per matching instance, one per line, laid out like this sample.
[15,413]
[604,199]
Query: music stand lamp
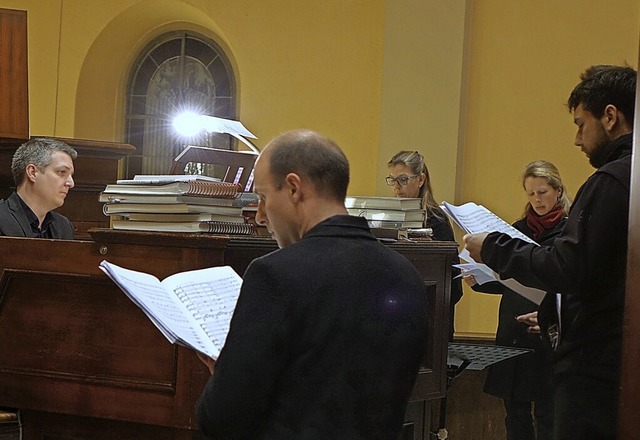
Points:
[239,164]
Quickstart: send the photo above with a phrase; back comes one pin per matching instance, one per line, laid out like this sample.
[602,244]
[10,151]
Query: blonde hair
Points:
[549,172]
[415,161]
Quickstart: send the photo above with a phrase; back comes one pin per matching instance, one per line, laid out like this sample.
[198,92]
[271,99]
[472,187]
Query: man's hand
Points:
[473,243]
[210,363]
[530,319]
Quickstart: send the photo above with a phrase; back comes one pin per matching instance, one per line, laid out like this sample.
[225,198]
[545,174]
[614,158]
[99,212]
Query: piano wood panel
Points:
[54,324]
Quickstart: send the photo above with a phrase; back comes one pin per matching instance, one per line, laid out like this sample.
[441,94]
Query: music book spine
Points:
[211,189]
[395,203]
[224,190]
[214,227]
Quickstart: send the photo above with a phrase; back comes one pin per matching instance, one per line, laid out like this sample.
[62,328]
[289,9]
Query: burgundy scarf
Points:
[539,223]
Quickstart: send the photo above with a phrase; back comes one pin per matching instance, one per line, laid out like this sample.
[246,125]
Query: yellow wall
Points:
[421,92]
[477,85]
[314,64]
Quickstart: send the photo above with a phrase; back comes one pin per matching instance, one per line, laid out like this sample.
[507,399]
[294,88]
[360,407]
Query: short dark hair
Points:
[312,155]
[37,151]
[602,85]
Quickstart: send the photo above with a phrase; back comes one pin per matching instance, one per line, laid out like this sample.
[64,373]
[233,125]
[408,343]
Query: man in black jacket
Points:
[586,264]
[42,169]
[329,331]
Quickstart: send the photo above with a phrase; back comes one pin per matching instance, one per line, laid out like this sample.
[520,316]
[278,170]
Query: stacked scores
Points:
[178,204]
[387,212]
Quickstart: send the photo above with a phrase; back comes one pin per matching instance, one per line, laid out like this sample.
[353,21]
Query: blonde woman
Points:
[523,383]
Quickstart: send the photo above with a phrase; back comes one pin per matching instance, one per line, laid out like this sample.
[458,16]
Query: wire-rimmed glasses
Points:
[402,180]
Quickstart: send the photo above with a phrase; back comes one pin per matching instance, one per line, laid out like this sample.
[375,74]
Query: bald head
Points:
[309,154]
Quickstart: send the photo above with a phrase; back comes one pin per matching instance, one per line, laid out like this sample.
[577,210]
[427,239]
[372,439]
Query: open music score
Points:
[192,308]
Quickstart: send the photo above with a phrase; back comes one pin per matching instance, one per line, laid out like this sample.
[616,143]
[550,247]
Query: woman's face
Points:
[415,182]
[541,195]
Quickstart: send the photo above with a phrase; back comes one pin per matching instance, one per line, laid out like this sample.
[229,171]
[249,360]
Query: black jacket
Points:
[586,264]
[325,342]
[525,378]
[14,223]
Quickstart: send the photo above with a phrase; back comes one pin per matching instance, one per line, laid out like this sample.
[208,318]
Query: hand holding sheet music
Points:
[483,274]
[473,219]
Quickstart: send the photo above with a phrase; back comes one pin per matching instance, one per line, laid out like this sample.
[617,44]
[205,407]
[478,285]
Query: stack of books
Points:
[178,203]
[387,212]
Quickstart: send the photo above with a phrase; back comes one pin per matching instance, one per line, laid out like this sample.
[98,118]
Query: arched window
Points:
[177,72]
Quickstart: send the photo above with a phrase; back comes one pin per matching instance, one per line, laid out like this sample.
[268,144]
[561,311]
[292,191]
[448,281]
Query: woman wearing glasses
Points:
[525,380]
[409,177]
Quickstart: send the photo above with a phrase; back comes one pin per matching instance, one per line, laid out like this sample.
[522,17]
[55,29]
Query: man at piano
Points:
[329,331]
[42,169]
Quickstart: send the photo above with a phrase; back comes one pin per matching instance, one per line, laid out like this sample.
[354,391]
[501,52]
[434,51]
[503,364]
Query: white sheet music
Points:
[193,308]
[483,274]
[211,303]
[473,219]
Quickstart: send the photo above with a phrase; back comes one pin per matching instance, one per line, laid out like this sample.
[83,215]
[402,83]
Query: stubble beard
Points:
[600,153]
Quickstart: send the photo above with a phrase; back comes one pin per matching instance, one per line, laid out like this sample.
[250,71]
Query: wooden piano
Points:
[81,361]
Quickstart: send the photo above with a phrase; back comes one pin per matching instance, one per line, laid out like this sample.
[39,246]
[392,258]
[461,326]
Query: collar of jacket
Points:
[341,226]
[619,147]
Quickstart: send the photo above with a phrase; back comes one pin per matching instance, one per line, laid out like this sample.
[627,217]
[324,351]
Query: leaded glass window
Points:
[177,72]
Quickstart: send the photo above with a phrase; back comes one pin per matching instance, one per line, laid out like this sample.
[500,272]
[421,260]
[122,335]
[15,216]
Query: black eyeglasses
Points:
[402,180]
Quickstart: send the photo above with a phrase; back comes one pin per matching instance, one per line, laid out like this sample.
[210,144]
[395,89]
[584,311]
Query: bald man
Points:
[329,331]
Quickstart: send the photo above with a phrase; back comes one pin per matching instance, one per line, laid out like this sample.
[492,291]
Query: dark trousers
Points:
[585,408]
[522,424]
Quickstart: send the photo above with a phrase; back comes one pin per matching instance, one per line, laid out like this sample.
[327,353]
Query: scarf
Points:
[540,223]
